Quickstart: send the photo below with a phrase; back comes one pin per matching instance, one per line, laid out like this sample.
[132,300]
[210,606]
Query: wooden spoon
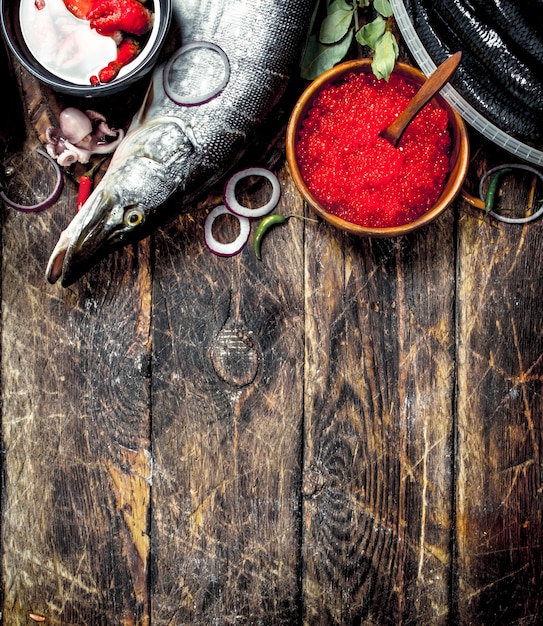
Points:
[427,91]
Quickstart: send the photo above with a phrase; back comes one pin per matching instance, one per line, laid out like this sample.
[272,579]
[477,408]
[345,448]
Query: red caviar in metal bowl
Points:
[357,180]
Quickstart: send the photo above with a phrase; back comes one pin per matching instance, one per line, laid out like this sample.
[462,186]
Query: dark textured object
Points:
[12,119]
[522,79]
[480,88]
[516,24]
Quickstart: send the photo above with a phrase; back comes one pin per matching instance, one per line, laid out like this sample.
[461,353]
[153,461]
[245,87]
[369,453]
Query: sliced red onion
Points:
[187,99]
[238,209]
[44,203]
[502,218]
[226,249]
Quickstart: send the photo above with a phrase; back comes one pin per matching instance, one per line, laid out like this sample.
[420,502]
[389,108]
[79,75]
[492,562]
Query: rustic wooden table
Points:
[347,432]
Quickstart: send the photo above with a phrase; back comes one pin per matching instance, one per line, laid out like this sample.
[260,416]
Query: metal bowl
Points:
[133,72]
[459,158]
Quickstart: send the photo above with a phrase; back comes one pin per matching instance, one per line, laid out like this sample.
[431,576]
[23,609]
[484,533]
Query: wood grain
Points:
[76,437]
[499,495]
[379,380]
[76,429]
[347,432]
[227,418]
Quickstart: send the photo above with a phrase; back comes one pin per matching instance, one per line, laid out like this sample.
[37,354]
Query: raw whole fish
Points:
[493,50]
[499,77]
[179,152]
[482,90]
[520,27]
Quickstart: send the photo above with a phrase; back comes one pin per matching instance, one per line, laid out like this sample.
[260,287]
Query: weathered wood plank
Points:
[378,417]
[227,415]
[76,429]
[500,417]
[299,420]
[76,440]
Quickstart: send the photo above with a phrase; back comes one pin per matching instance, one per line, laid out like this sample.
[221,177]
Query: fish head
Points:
[126,206]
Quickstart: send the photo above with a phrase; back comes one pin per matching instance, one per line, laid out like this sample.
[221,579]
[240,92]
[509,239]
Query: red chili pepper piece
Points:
[86,183]
[85,189]
[126,52]
[79,8]
[39,4]
[130,16]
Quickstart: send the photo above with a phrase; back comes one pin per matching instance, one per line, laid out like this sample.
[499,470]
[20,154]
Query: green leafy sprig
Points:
[334,26]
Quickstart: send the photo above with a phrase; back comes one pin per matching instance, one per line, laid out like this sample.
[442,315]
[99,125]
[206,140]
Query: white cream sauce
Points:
[64,44]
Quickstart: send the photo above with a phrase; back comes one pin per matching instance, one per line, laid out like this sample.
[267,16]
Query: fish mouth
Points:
[84,242]
[61,264]
[55,266]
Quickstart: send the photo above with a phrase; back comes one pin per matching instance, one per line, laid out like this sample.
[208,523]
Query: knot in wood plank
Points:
[235,356]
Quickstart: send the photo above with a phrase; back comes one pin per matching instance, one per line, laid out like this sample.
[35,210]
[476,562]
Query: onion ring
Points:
[186,99]
[502,218]
[44,204]
[226,249]
[238,209]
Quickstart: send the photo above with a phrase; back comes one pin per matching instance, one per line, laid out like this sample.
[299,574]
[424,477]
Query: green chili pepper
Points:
[490,196]
[268,222]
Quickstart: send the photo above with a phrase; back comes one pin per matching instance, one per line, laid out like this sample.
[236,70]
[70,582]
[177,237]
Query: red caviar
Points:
[356,174]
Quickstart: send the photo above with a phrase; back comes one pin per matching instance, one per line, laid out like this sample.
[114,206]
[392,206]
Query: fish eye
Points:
[133,217]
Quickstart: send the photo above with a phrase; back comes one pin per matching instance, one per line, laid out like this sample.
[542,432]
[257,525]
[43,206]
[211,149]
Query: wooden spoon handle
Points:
[427,91]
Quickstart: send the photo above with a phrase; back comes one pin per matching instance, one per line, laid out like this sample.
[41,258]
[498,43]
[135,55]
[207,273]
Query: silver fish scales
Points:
[181,151]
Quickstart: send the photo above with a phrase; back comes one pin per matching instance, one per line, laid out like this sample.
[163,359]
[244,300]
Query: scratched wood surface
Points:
[348,432]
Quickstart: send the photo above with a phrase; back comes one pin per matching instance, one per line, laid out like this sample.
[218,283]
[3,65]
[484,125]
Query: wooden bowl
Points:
[459,157]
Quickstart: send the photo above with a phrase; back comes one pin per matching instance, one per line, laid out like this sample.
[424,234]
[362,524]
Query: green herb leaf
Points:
[314,17]
[319,57]
[335,26]
[328,44]
[370,33]
[383,7]
[384,56]
[340,5]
